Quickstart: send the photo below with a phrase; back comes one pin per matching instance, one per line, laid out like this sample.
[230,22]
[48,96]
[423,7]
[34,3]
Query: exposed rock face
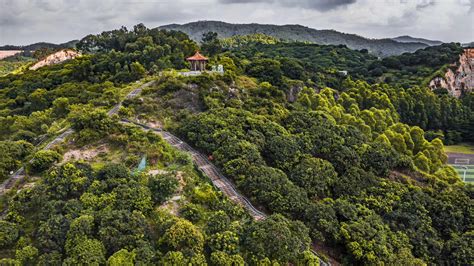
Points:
[292,94]
[459,81]
[56,58]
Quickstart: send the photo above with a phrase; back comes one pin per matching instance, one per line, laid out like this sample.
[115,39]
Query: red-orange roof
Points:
[197,57]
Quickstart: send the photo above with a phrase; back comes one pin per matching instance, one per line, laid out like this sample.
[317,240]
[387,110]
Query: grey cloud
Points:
[425,3]
[321,5]
[28,21]
[245,1]
[406,20]
[325,5]
[51,6]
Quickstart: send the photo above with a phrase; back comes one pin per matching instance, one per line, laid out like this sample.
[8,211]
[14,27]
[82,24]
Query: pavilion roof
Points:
[197,57]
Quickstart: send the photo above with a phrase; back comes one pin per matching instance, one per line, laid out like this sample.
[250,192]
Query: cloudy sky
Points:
[28,21]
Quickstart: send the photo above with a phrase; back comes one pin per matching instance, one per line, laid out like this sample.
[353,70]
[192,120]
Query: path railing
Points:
[217,178]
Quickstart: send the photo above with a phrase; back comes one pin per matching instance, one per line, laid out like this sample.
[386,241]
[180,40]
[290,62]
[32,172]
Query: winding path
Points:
[209,169]
[218,179]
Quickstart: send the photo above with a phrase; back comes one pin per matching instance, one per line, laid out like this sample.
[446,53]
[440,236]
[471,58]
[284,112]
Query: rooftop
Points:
[197,57]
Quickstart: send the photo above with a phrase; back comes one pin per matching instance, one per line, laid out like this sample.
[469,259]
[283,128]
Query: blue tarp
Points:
[142,165]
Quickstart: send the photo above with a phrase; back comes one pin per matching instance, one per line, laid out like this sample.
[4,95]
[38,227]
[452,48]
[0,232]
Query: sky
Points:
[27,21]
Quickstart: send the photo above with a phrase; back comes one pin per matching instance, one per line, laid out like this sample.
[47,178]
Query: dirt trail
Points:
[84,153]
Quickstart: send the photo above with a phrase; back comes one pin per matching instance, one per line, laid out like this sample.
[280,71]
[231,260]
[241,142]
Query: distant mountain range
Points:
[39,45]
[407,39]
[379,47]
[469,44]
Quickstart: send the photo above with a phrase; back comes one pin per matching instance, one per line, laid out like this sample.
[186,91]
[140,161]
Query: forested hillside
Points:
[13,63]
[379,47]
[406,38]
[40,45]
[348,164]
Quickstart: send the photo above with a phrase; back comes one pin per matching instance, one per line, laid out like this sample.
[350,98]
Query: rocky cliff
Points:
[55,58]
[460,80]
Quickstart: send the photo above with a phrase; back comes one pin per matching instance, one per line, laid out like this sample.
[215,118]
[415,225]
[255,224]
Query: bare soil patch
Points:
[86,154]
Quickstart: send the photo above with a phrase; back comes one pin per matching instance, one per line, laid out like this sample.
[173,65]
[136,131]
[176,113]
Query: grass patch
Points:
[467,148]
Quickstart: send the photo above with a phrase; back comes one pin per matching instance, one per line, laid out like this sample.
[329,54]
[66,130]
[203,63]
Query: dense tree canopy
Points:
[341,149]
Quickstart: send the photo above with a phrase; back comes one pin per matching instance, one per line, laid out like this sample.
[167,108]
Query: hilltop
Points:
[118,156]
[40,45]
[409,39]
[379,47]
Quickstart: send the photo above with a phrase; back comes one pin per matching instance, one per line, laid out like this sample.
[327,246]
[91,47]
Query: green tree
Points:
[422,162]
[292,240]
[120,229]
[9,232]
[122,258]
[210,43]
[379,158]
[218,222]
[184,236]
[307,259]
[314,175]
[371,241]
[137,70]
[38,99]
[43,160]
[67,181]
[61,107]
[86,251]
[162,187]
[27,255]
[175,258]
[458,249]
[80,228]
[219,258]
[13,152]
[91,124]
[266,70]
[226,241]
[132,196]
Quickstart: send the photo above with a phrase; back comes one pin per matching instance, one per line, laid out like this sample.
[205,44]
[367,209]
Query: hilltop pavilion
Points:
[198,62]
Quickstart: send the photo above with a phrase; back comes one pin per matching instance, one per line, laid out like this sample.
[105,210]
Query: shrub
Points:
[162,187]
[43,160]
[8,233]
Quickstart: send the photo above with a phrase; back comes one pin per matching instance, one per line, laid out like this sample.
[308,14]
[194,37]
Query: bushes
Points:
[12,153]
[292,239]
[9,233]
[122,258]
[162,187]
[325,161]
[185,237]
[220,258]
[315,175]
[43,160]
[87,251]
[380,158]
[266,70]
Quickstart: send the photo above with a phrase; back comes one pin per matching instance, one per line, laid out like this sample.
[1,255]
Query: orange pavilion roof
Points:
[197,57]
